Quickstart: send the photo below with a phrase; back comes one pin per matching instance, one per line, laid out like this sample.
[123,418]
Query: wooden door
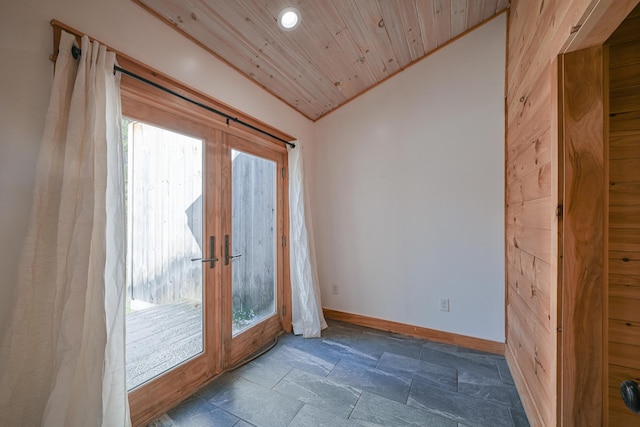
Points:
[254,245]
[600,187]
[243,207]
[173,281]
[583,210]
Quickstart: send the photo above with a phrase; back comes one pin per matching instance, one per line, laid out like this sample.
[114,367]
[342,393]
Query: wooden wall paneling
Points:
[541,31]
[604,17]
[627,32]
[489,8]
[427,19]
[534,241]
[502,4]
[583,237]
[410,21]
[623,55]
[623,300]
[442,10]
[538,30]
[624,76]
[535,185]
[534,296]
[395,31]
[522,352]
[623,146]
[530,214]
[370,18]
[529,121]
[458,17]
[474,12]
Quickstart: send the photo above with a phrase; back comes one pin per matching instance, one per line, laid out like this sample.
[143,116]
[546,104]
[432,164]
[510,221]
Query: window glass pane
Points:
[254,239]
[164,238]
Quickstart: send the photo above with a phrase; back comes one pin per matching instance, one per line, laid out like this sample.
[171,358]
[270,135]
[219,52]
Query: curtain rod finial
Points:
[76,52]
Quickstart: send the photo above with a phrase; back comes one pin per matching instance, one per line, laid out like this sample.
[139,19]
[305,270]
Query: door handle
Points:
[212,253]
[629,391]
[227,257]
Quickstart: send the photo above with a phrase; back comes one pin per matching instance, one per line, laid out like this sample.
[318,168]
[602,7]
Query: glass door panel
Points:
[252,250]
[164,320]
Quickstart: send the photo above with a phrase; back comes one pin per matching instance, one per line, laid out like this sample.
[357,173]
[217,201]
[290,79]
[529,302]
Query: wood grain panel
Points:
[402,41]
[474,12]
[624,194]
[584,226]
[427,20]
[624,101]
[533,156]
[339,51]
[532,295]
[458,17]
[623,55]
[625,146]
[624,77]
[627,217]
[533,269]
[622,354]
[535,185]
[530,240]
[624,218]
[621,263]
[411,29]
[627,32]
[492,6]
[442,9]
[539,30]
[533,382]
[624,239]
[530,105]
[621,123]
[625,170]
[624,330]
[530,214]
[623,308]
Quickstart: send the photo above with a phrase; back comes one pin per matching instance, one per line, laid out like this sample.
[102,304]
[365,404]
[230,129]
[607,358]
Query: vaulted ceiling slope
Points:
[340,49]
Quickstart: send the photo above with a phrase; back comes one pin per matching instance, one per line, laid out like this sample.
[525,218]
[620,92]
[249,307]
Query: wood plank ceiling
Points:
[340,49]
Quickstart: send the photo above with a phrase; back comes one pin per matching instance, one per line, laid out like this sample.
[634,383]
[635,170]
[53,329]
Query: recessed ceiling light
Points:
[289,18]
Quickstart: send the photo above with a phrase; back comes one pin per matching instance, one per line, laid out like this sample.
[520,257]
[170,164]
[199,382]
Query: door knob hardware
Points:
[629,391]
[212,253]
[205,259]
[228,257]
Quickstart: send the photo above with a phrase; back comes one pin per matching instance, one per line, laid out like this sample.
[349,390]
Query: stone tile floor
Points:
[356,376]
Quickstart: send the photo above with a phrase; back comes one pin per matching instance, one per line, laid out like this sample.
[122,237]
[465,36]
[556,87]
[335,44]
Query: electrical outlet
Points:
[444,304]
[334,289]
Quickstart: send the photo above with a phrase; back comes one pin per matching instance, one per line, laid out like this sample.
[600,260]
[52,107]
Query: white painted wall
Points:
[25,85]
[409,193]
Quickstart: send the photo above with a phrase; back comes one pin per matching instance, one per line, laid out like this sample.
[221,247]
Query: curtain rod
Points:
[76,52]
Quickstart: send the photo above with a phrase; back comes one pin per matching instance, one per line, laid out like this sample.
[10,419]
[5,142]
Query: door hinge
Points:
[284,310]
[284,241]
[284,172]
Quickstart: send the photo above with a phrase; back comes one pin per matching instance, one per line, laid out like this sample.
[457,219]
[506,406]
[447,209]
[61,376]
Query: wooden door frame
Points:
[237,348]
[581,174]
[136,95]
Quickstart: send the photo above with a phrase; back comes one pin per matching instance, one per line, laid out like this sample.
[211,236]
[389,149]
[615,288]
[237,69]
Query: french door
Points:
[253,228]
[205,236]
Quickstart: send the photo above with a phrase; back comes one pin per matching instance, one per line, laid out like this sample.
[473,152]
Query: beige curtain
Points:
[306,307]
[62,358]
